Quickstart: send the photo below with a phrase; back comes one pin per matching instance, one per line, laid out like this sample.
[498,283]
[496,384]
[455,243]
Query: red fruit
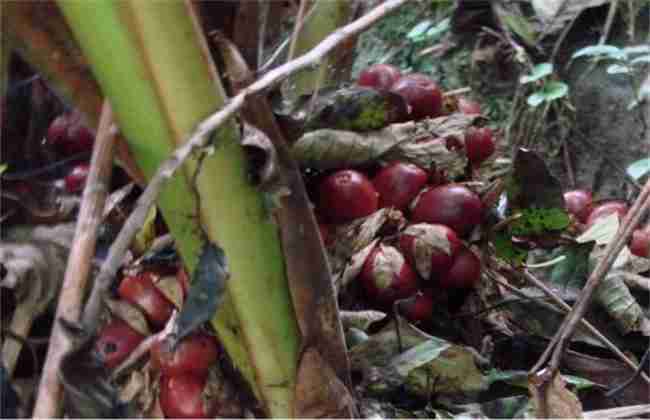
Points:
[430,248]
[640,243]
[76,179]
[347,195]
[607,208]
[386,276]
[183,396]
[578,203]
[451,205]
[141,291]
[379,76]
[116,341]
[468,106]
[422,94]
[68,134]
[194,354]
[465,272]
[479,144]
[399,183]
[417,308]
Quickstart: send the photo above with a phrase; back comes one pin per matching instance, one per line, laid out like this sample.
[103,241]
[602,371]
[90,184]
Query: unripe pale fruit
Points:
[386,276]
[465,271]
[479,144]
[422,94]
[141,291]
[399,183]
[183,396]
[116,341]
[452,205]
[194,355]
[430,248]
[347,195]
[578,203]
[607,208]
[379,76]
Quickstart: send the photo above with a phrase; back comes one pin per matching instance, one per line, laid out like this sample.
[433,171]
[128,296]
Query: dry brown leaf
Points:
[553,400]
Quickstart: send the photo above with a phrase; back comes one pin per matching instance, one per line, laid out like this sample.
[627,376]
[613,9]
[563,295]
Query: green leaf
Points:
[442,27]
[554,90]
[146,234]
[507,250]
[615,297]
[574,269]
[535,99]
[419,29]
[520,26]
[602,231]
[3,168]
[637,49]
[536,221]
[643,59]
[539,71]
[607,51]
[617,69]
[639,168]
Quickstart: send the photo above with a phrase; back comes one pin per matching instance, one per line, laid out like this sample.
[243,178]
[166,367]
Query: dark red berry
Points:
[452,205]
[640,243]
[347,195]
[379,76]
[141,291]
[578,203]
[399,183]
[116,341]
[479,144]
[422,94]
[194,354]
[464,273]
[386,276]
[607,208]
[69,135]
[430,248]
[76,179]
[184,396]
[468,106]
[417,308]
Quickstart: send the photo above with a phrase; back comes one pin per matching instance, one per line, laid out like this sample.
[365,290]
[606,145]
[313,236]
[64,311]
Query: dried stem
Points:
[300,19]
[200,138]
[48,403]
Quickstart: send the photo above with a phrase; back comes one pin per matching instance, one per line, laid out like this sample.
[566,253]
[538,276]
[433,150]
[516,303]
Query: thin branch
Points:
[50,391]
[200,138]
[300,20]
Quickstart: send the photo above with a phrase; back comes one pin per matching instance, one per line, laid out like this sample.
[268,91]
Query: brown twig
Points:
[48,402]
[564,334]
[300,20]
[200,138]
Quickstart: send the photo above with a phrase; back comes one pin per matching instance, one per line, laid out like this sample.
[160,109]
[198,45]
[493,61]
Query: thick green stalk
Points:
[161,83]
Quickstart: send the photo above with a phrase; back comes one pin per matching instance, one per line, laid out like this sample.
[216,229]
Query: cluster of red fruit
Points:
[184,369]
[68,136]
[580,204]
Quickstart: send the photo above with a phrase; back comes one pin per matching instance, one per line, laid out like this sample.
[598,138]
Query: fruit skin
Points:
[76,179]
[640,243]
[452,205]
[347,195]
[116,341]
[430,248]
[379,76]
[399,183]
[193,355]
[468,106]
[422,94]
[578,203]
[464,273]
[182,396]
[479,144]
[68,134]
[386,276]
[607,208]
[418,308]
[141,291]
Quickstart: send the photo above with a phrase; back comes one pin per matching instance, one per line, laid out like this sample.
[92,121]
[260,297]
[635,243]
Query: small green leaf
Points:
[3,168]
[602,231]
[442,27]
[535,99]
[507,250]
[641,60]
[618,69]
[554,90]
[573,270]
[419,29]
[536,221]
[539,71]
[637,49]
[639,168]
[608,51]
[520,26]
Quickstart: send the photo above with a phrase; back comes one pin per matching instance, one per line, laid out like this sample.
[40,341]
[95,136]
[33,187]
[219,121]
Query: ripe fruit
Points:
[421,93]
[465,272]
[399,183]
[607,208]
[183,396]
[116,341]
[468,106]
[452,205]
[479,144]
[578,203]
[417,308]
[194,354]
[430,248]
[640,243]
[347,195]
[386,276]
[68,134]
[379,76]
[76,179]
[142,292]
